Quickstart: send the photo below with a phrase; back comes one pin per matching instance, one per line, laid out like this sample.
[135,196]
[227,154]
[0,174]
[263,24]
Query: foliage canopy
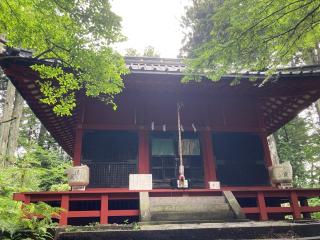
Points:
[230,36]
[77,37]
[299,143]
[37,170]
[149,51]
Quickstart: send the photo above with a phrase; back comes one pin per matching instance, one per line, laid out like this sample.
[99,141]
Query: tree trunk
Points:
[41,137]
[273,150]
[312,177]
[6,121]
[317,105]
[316,60]
[15,124]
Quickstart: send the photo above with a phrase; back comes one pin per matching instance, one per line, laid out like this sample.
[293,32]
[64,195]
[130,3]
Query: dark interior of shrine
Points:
[113,155]
[239,159]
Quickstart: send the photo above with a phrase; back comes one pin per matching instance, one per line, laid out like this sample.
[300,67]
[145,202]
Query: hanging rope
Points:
[181,167]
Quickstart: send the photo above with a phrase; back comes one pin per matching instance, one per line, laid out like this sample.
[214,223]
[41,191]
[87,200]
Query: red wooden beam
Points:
[117,213]
[308,193]
[250,210]
[143,164]
[309,209]
[44,198]
[19,197]
[213,127]
[208,158]
[104,209]
[84,197]
[238,191]
[109,126]
[279,209]
[83,214]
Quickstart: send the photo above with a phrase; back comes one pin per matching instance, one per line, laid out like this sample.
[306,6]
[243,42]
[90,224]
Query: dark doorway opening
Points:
[111,157]
[165,158]
[239,159]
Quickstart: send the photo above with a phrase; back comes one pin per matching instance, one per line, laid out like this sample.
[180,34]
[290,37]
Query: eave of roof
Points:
[276,111]
[177,66]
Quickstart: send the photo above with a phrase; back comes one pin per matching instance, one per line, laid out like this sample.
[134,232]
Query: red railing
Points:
[65,198]
[260,203]
[279,203]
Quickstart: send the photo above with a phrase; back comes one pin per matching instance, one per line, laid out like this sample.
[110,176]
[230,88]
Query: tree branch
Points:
[44,52]
[12,11]
[3,41]
[268,16]
[308,29]
[58,46]
[8,120]
[275,21]
[294,28]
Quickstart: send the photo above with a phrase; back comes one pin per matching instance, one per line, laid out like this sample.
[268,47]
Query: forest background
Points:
[31,160]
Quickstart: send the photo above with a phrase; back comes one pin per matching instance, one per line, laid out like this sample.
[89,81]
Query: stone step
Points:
[212,200]
[172,207]
[189,208]
[218,214]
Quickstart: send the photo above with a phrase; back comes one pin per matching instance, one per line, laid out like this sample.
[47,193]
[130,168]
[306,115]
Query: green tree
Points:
[35,168]
[197,25]
[224,36]
[239,35]
[150,51]
[132,52]
[76,36]
[29,173]
[299,143]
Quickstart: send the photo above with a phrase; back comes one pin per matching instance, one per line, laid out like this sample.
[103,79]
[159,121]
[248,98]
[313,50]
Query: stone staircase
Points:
[185,208]
[189,208]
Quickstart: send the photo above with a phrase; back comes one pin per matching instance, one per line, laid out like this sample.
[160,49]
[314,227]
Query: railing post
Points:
[295,205]
[25,201]
[262,207]
[65,205]
[104,207]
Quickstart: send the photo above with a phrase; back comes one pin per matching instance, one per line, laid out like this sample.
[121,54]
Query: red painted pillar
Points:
[209,164]
[77,147]
[65,205]
[143,163]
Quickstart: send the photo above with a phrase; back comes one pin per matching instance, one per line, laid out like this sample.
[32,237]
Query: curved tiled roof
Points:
[288,92]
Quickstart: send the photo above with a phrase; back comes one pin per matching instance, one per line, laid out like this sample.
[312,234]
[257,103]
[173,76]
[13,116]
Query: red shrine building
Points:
[224,128]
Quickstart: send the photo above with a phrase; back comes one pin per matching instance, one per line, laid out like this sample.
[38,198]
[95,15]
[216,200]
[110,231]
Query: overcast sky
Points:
[151,22]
